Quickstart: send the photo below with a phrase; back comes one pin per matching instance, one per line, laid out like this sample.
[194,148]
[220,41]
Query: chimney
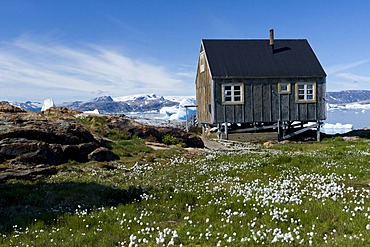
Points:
[272,41]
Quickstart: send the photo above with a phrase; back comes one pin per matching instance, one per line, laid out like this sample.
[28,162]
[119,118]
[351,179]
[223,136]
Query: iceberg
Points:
[96,111]
[337,128]
[179,112]
[168,111]
[48,103]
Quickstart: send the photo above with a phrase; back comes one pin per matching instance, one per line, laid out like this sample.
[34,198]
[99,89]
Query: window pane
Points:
[283,87]
[232,92]
[306,91]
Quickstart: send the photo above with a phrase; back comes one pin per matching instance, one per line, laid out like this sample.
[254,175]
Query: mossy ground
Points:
[289,194]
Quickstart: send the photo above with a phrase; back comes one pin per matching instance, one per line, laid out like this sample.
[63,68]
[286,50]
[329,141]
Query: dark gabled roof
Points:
[253,58]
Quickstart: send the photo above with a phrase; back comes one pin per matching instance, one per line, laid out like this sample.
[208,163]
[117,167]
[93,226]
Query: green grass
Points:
[290,194]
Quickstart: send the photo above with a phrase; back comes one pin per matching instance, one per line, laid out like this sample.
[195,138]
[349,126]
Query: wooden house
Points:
[252,85]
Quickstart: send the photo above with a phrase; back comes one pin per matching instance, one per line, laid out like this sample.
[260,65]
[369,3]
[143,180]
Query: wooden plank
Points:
[203,94]
[253,137]
[271,104]
[258,108]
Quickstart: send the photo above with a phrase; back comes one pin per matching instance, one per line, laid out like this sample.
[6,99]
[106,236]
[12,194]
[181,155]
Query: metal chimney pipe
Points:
[272,40]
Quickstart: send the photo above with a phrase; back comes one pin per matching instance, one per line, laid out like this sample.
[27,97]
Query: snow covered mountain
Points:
[348,96]
[119,105]
[28,105]
[146,102]
[104,104]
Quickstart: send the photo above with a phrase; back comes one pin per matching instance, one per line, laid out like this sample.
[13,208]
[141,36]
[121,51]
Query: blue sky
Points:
[77,50]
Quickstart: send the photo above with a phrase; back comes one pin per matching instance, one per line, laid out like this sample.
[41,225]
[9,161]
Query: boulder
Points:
[102,154]
[45,154]
[78,152]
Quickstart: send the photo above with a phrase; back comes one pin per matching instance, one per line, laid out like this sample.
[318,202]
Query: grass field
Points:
[289,194]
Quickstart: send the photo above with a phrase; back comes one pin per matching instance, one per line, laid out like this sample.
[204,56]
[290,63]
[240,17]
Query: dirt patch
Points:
[214,145]
[157,146]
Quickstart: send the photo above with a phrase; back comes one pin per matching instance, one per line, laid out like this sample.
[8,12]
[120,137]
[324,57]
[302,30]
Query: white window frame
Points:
[233,93]
[202,62]
[305,92]
[284,91]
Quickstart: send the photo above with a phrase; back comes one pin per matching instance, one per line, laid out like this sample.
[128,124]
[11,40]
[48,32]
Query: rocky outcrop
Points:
[5,107]
[28,174]
[133,129]
[51,138]
[30,140]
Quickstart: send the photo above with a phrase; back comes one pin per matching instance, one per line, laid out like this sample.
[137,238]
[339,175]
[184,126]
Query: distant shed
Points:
[253,85]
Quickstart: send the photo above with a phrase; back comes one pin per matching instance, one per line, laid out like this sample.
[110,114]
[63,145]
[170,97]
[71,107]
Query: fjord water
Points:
[359,118]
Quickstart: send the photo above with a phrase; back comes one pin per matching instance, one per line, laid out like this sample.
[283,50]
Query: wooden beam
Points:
[300,131]
[253,129]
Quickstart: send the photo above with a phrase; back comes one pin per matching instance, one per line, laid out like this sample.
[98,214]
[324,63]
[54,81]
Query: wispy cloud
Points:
[341,77]
[354,78]
[342,67]
[36,70]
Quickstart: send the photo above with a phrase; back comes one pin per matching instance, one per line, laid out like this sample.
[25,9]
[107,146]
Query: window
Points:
[201,62]
[305,92]
[232,94]
[284,88]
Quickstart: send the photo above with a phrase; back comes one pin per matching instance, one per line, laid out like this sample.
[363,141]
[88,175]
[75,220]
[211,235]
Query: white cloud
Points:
[38,70]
